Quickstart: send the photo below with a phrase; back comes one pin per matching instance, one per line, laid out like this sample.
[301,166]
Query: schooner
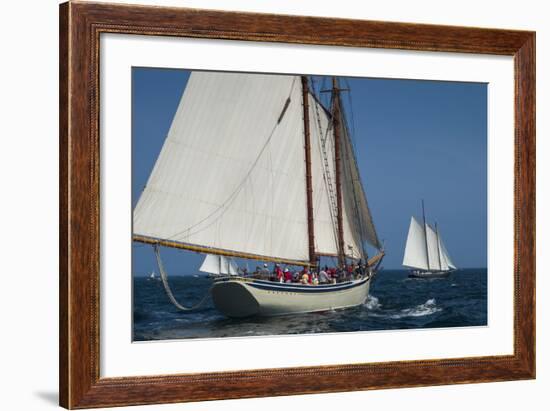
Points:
[425,253]
[254,166]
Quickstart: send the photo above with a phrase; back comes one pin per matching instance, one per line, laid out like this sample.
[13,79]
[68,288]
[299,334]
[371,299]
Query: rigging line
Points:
[223,207]
[271,178]
[353,135]
[168,290]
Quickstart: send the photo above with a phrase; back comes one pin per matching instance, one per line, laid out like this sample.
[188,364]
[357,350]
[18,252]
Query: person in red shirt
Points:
[349,270]
[288,276]
[279,273]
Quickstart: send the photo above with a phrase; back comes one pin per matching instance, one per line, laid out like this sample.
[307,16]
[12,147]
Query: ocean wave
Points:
[421,310]
[372,303]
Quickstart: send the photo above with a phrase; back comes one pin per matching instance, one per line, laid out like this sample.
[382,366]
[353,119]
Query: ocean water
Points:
[395,302]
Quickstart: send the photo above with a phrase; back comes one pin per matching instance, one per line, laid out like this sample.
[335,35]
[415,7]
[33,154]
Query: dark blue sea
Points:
[395,302]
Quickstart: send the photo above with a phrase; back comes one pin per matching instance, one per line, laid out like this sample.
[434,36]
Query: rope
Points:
[168,290]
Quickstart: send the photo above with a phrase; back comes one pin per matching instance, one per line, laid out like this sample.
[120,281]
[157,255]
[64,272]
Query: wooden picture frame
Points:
[80,27]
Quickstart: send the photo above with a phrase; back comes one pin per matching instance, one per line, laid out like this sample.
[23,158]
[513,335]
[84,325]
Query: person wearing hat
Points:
[264,272]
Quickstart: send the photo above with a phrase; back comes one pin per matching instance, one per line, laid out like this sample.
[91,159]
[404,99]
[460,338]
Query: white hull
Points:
[241,297]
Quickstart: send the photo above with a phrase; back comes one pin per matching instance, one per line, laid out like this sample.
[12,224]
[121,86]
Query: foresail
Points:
[445,255]
[357,221]
[437,256]
[433,261]
[415,248]
[231,173]
[358,218]
[322,147]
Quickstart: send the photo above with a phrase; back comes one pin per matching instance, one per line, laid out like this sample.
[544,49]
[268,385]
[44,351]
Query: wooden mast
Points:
[309,183]
[336,121]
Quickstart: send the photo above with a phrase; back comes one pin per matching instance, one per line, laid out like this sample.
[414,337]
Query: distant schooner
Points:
[425,252]
[255,167]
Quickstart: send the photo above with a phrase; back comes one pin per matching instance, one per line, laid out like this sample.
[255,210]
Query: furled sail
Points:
[415,248]
[231,173]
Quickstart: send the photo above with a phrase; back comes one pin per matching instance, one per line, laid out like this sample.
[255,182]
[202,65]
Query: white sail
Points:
[356,218]
[231,173]
[415,248]
[231,266]
[445,255]
[433,263]
[322,143]
[359,220]
[211,264]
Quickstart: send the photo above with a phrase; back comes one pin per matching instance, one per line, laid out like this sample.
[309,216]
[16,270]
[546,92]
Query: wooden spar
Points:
[375,259]
[216,251]
[425,236]
[309,183]
[438,251]
[336,118]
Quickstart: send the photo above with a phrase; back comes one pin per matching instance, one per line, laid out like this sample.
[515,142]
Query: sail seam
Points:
[224,206]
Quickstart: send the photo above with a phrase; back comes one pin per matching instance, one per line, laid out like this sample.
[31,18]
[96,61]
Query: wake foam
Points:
[428,308]
[372,303]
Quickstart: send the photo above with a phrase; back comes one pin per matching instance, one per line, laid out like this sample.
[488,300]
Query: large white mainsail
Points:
[231,173]
[415,248]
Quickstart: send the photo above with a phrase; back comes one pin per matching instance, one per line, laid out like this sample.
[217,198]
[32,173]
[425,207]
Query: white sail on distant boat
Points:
[425,253]
[153,276]
[218,265]
[255,167]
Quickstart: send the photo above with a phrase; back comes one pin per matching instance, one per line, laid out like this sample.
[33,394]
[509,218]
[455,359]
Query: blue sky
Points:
[414,140]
